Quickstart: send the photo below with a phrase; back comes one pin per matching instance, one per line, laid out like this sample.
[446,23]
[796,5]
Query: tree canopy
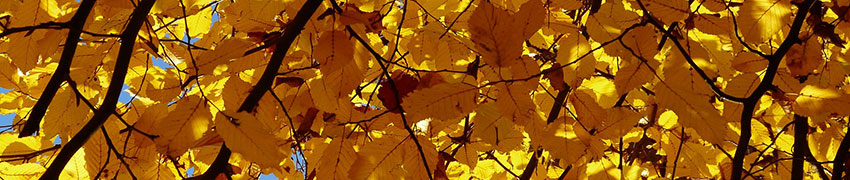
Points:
[412,89]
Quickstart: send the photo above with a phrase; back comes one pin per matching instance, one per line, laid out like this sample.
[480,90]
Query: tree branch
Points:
[841,156]
[61,73]
[688,58]
[491,156]
[766,83]
[122,63]
[389,79]
[46,25]
[28,155]
[801,130]
[529,168]
[556,106]
[292,30]
[678,152]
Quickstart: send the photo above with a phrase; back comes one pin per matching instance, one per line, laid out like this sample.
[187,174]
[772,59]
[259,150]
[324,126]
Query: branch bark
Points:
[801,129]
[532,164]
[122,63]
[29,29]
[702,74]
[751,101]
[292,30]
[841,156]
[76,28]
[556,107]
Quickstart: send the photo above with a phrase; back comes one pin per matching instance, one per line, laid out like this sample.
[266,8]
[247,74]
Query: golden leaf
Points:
[499,34]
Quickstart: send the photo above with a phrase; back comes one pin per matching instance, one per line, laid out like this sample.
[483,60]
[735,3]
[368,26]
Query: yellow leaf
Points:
[573,47]
[562,144]
[758,20]
[226,50]
[713,23]
[642,40]
[749,62]
[695,159]
[25,52]
[245,134]
[609,21]
[804,59]
[97,156]
[830,74]
[76,167]
[740,86]
[442,102]
[10,144]
[666,10]
[589,114]
[619,122]
[8,74]
[633,76]
[337,159]
[254,15]
[65,115]
[165,89]
[333,86]
[412,161]
[21,171]
[819,101]
[334,51]
[499,34]
[694,111]
[182,126]
[567,4]
[380,159]
[148,121]
[495,129]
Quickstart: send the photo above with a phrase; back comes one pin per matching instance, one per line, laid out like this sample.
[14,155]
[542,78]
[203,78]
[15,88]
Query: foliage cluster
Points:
[389,89]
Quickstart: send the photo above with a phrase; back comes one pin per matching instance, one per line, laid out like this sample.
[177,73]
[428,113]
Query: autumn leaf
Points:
[441,102]
[694,111]
[499,33]
[391,96]
[481,89]
[761,19]
[819,101]
[182,126]
[243,133]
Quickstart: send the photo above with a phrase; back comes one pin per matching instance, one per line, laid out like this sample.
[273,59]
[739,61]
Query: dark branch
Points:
[678,152]
[766,83]
[292,30]
[46,25]
[122,63]
[688,58]
[76,27]
[529,168]
[494,158]
[28,155]
[841,156]
[556,107]
[801,130]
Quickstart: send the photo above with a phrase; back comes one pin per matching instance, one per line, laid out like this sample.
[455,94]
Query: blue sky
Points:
[6,119]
